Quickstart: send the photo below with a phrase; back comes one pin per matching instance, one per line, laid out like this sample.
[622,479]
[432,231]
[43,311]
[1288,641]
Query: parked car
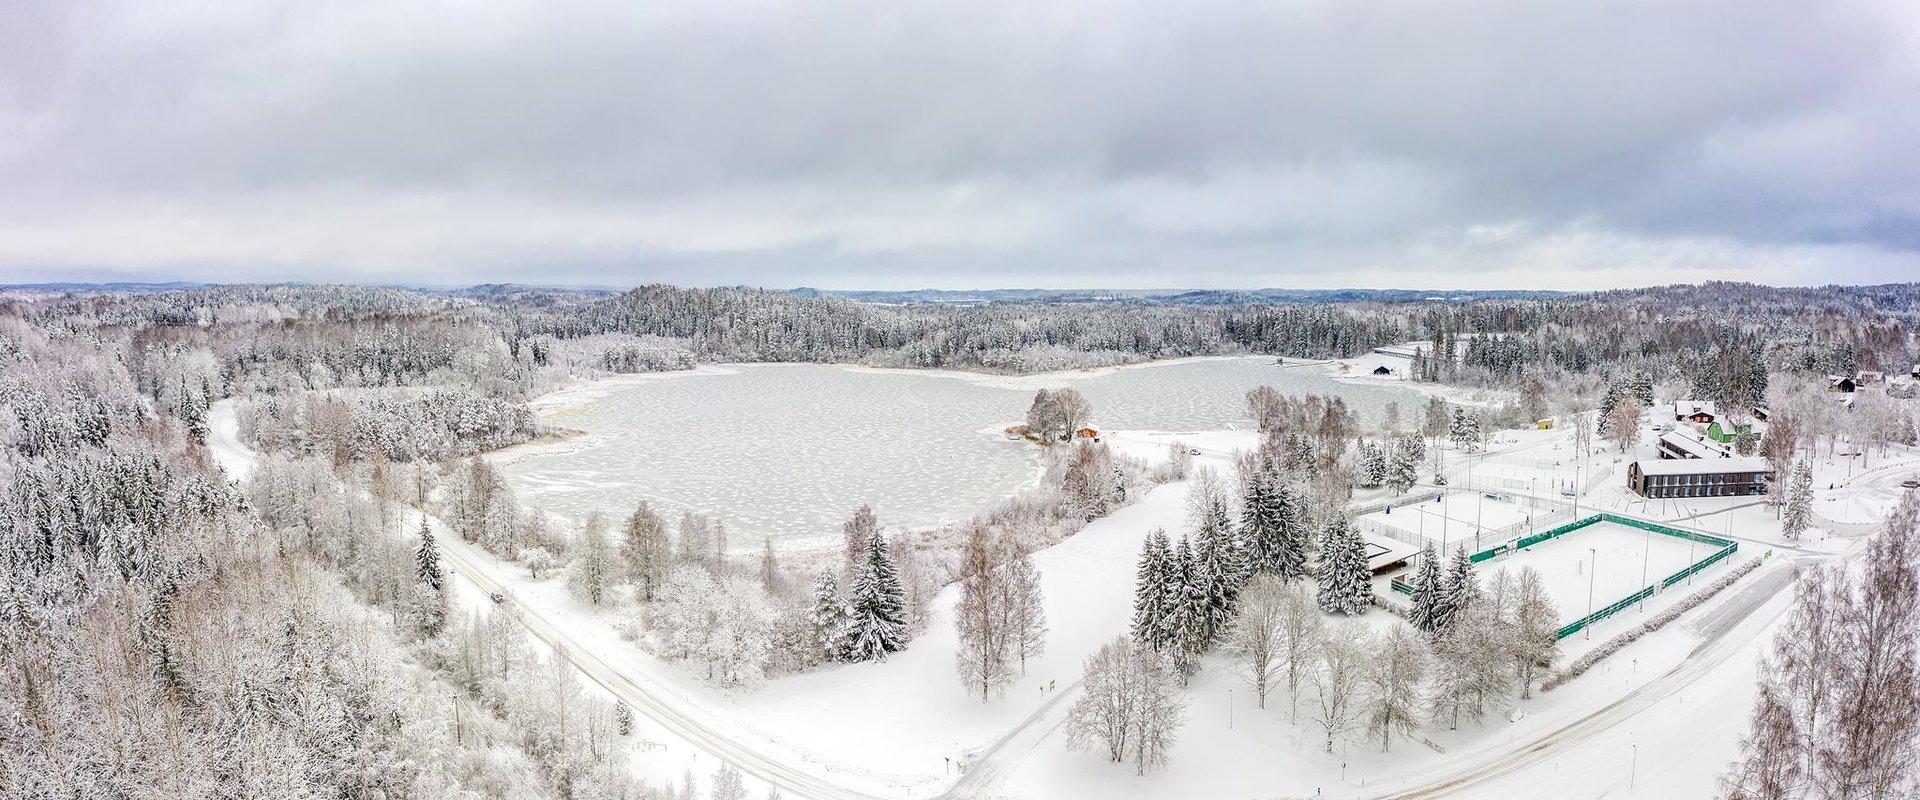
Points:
[497,598]
[1193,451]
[1911,483]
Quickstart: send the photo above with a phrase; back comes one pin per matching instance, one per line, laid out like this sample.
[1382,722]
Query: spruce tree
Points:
[1150,591]
[1799,510]
[876,605]
[426,559]
[1457,589]
[1462,432]
[1403,465]
[1186,625]
[1344,577]
[1427,591]
[1373,465]
[829,617]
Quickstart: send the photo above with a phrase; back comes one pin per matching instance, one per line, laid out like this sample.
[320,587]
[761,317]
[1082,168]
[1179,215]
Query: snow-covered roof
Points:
[1692,445]
[1384,550]
[1702,466]
[1687,408]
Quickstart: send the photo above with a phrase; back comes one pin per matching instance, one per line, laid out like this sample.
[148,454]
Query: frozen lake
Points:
[789,450]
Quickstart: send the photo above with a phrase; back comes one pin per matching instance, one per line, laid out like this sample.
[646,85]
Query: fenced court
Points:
[1476,519]
[1606,563]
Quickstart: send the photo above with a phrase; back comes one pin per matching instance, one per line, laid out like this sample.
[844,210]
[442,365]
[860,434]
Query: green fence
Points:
[1723,549]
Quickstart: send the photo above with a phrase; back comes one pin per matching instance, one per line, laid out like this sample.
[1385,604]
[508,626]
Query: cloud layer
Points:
[1297,143]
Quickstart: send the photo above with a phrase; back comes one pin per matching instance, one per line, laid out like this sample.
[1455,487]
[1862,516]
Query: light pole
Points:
[1229,708]
[1646,553]
[1633,766]
[1593,569]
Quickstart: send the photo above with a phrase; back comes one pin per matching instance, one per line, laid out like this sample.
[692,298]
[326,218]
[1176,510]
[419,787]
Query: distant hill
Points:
[1199,297]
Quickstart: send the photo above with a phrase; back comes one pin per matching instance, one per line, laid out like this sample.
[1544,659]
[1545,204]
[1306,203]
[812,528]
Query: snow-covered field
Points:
[791,450]
[1608,560]
[1472,519]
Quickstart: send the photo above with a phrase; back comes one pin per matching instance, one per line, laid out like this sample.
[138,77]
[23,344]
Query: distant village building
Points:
[1087,433]
[1842,383]
[1868,376]
[1713,477]
[1699,412]
[1915,374]
[1761,413]
[1382,370]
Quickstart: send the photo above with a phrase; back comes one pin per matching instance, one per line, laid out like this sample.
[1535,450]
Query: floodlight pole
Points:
[1593,569]
[1646,553]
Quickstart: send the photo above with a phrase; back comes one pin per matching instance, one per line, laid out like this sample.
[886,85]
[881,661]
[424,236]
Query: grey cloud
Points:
[1292,143]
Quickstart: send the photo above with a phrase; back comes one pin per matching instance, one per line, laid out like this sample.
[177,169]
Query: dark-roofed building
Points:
[1699,477]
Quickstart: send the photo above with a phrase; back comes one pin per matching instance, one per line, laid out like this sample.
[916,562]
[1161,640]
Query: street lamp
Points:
[1593,570]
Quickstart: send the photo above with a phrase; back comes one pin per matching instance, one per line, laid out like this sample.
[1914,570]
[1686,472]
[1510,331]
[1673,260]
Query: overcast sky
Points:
[954,145]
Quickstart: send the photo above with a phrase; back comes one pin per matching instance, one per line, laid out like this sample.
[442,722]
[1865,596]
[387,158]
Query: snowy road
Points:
[644,696]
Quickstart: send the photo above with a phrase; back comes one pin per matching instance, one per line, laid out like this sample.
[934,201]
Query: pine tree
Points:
[1150,591]
[876,607]
[1427,592]
[426,559]
[1345,586]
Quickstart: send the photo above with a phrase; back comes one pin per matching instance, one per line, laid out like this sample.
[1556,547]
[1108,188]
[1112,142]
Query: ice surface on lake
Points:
[792,449]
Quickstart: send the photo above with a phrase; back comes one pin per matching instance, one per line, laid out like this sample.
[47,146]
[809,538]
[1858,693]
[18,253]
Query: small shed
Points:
[1087,433]
[1842,383]
[1383,370]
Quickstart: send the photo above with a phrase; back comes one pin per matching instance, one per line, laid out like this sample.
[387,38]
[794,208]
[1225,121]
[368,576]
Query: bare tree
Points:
[1536,628]
[1256,632]
[1026,612]
[1301,632]
[1337,681]
[1395,674]
[1130,706]
[1623,423]
[645,549]
[855,533]
[981,618]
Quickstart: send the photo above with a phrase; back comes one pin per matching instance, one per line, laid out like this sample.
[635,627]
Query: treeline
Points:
[397,424]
